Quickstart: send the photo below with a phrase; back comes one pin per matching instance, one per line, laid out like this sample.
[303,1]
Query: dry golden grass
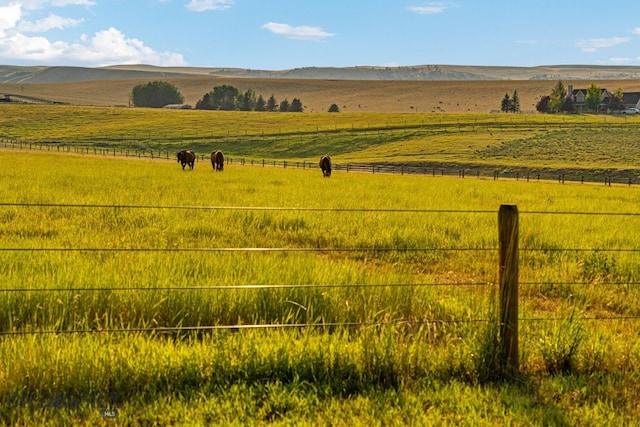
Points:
[317,95]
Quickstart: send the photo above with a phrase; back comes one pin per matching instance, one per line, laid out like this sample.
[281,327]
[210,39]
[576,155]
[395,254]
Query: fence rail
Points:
[608,178]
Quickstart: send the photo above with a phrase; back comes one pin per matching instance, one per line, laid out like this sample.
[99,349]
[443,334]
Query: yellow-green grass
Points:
[591,145]
[411,370]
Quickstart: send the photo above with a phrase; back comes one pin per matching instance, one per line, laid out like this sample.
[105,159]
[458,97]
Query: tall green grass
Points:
[416,355]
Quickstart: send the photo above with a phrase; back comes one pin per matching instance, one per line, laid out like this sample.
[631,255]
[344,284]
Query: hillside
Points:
[15,74]
[428,88]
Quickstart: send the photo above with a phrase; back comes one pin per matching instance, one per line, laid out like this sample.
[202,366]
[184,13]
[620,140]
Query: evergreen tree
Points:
[515,102]
[247,101]
[261,104]
[272,104]
[284,106]
[334,108]
[204,103]
[296,106]
[506,104]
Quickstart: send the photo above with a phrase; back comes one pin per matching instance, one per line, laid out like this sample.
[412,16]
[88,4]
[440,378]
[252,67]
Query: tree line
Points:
[229,98]
[158,94]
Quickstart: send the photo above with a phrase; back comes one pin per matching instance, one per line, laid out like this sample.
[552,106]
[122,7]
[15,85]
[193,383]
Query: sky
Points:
[286,34]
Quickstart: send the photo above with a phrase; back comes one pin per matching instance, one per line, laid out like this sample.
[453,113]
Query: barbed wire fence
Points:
[507,284]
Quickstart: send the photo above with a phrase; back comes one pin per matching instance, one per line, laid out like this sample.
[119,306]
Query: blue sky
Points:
[284,34]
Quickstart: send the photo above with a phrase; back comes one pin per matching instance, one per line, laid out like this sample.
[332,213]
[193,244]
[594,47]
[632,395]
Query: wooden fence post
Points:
[508,245]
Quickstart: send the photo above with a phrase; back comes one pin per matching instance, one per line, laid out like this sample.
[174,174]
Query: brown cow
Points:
[325,165]
[217,160]
[186,157]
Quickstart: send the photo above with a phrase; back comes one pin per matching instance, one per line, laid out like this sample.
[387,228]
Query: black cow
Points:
[325,165]
[186,157]
[217,160]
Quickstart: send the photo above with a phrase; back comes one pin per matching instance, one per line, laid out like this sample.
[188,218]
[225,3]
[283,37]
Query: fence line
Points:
[303,209]
[241,208]
[623,178]
[508,252]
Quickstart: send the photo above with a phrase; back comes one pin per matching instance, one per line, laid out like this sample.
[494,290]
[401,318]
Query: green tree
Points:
[557,97]
[155,94]
[204,103]
[284,106]
[592,99]
[272,104]
[506,104]
[224,97]
[510,104]
[333,108]
[296,106]
[247,100]
[261,104]
[515,102]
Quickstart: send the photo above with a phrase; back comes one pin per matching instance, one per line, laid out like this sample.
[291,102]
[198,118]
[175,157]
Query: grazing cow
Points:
[325,165]
[186,157]
[217,160]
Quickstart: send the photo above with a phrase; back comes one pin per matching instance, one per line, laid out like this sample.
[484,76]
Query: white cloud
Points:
[636,31]
[431,8]
[48,23]
[204,5]
[103,48]
[298,33]
[112,47]
[591,45]
[40,4]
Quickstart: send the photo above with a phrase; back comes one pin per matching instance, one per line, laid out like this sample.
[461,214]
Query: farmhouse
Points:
[578,96]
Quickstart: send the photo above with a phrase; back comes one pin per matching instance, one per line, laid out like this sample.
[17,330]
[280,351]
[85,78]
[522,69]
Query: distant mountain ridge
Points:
[67,74]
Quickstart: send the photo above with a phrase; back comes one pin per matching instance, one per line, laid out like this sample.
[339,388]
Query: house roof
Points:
[631,97]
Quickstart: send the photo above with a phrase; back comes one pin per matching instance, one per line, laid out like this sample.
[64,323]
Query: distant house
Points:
[578,96]
[631,99]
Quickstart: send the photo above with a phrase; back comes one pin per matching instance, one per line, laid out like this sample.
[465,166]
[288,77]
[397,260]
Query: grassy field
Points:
[399,270]
[590,147]
[351,96]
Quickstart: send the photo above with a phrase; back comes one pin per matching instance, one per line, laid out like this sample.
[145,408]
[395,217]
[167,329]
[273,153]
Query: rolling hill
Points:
[424,88]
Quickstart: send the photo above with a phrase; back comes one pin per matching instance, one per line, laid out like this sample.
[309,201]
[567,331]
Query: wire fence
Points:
[249,287]
[434,169]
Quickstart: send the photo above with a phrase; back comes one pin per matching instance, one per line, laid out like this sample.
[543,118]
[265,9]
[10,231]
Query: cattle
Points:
[186,157]
[325,165]
[217,160]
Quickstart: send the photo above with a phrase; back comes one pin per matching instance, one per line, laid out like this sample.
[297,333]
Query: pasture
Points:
[351,96]
[264,295]
[594,146]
